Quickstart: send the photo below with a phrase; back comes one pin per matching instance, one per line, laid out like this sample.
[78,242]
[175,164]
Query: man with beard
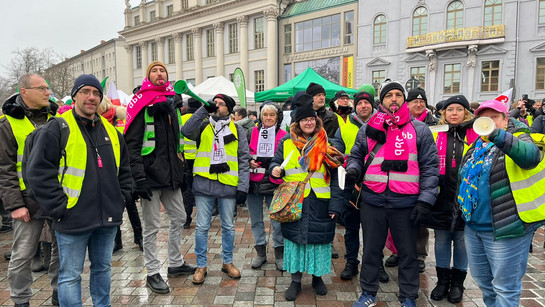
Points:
[221,172]
[152,133]
[331,124]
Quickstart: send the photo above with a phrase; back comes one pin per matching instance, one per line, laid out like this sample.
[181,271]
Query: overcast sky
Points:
[67,26]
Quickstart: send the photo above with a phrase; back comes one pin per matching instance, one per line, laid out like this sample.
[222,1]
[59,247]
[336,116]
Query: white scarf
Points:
[265,142]
[221,130]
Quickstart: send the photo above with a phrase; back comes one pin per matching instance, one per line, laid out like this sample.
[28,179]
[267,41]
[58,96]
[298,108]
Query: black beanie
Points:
[392,85]
[303,107]
[84,80]
[417,93]
[228,100]
[193,103]
[364,95]
[459,99]
[314,89]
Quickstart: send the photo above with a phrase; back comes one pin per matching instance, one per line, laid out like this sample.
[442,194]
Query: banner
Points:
[113,95]
[348,72]
[240,86]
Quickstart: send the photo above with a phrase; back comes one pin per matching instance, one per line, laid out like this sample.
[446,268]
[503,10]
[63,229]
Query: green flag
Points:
[240,86]
[103,83]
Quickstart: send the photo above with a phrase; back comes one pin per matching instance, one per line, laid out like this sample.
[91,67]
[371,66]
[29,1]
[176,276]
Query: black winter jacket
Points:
[331,123]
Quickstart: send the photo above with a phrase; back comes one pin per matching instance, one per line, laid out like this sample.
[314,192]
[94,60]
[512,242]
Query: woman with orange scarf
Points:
[307,242]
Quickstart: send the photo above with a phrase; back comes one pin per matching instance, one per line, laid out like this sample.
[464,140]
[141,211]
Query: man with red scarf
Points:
[152,134]
[399,188]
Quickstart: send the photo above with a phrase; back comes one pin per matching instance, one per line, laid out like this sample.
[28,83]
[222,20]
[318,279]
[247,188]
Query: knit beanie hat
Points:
[364,95]
[392,85]
[459,99]
[314,89]
[417,93]
[84,80]
[155,63]
[228,100]
[304,107]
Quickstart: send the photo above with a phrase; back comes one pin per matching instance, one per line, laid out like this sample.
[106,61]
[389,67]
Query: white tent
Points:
[212,86]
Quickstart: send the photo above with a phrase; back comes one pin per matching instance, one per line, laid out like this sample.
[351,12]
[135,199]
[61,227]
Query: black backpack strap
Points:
[65,133]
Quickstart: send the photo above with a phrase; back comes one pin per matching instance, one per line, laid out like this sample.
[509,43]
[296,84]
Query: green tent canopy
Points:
[300,83]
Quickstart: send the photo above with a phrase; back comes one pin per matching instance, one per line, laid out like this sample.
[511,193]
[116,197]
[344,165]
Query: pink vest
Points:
[402,183]
[257,174]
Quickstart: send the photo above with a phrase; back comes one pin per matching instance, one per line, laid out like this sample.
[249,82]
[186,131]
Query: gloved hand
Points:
[420,212]
[351,177]
[143,190]
[211,108]
[241,197]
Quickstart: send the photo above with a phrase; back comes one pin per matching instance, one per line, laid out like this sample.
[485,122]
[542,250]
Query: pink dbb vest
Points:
[257,174]
[402,183]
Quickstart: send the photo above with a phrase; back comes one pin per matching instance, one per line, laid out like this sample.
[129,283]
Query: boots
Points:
[261,257]
[456,286]
[350,270]
[443,282]
[138,237]
[36,264]
[279,258]
[118,244]
[46,246]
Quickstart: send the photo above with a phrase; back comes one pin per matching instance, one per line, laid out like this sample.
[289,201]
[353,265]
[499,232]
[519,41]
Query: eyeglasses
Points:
[343,98]
[42,89]
[308,120]
[87,91]
[221,104]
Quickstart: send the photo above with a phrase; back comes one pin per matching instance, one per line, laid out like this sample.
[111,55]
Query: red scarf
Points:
[396,149]
[109,115]
[148,95]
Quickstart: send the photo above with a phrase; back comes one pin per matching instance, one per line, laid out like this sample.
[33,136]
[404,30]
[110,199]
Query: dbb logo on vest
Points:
[265,148]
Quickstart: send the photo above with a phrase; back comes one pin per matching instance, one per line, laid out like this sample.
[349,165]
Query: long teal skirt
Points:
[313,259]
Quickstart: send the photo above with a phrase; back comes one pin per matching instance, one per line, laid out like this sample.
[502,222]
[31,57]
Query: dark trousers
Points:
[134,218]
[376,221]
[187,194]
[351,219]
[6,216]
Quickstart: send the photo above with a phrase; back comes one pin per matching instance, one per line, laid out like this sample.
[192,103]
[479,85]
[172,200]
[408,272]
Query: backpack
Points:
[29,144]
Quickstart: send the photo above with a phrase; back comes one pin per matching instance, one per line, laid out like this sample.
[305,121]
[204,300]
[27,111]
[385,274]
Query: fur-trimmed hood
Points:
[16,108]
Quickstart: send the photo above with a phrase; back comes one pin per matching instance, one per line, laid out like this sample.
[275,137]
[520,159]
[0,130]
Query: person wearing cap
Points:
[23,112]
[399,189]
[221,172]
[447,224]
[89,205]
[496,238]
[330,121]
[310,237]
[418,106]
[341,106]
[152,133]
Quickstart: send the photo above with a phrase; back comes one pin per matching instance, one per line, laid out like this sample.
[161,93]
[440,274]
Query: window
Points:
[489,76]
[136,20]
[318,33]
[329,68]
[259,33]
[540,74]
[138,57]
[154,51]
[171,52]
[259,80]
[209,1]
[419,73]
[210,52]
[492,12]
[233,38]
[185,4]
[541,12]
[420,21]
[349,28]
[379,30]
[152,16]
[189,47]
[378,77]
[232,77]
[287,72]
[455,15]
[451,81]
[287,38]
[170,10]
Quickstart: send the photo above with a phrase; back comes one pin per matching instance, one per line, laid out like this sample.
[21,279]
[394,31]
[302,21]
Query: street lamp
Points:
[376,85]
[412,83]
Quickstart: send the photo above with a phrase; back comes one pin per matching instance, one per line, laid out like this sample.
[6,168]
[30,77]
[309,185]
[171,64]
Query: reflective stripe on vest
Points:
[528,186]
[190,146]
[204,152]
[76,157]
[148,144]
[294,172]
[403,183]
[349,131]
[21,128]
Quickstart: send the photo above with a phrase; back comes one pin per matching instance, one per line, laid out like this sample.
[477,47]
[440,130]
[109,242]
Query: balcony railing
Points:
[456,35]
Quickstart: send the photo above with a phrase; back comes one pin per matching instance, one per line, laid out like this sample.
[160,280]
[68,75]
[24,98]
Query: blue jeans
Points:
[72,250]
[255,207]
[226,207]
[497,266]
[444,242]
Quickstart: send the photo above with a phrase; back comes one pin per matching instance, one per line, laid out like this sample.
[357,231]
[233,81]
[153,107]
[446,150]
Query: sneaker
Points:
[382,275]
[408,303]
[181,270]
[365,300]
[421,266]
[392,261]
[157,284]
[350,270]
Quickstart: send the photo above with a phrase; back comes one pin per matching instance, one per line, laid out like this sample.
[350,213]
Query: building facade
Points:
[198,39]
[320,34]
[478,48]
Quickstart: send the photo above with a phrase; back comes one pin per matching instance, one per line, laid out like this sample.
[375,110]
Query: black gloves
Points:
[142,189]
[241,197]
[420,213]
[211,108]
[351,177]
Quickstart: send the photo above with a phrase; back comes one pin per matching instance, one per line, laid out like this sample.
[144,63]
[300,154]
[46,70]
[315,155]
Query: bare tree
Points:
[60,79]
[30,60]
[7,88]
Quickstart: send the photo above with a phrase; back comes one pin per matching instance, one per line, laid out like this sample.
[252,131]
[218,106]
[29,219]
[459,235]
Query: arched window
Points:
[380,28]
[420,21]
[492,12]
[455,15]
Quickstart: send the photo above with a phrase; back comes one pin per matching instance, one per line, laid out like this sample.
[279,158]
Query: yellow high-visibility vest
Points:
[190,146]
[349,131]
[148,144]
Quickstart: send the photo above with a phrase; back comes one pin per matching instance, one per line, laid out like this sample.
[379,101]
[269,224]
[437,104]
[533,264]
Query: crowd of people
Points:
[64,193]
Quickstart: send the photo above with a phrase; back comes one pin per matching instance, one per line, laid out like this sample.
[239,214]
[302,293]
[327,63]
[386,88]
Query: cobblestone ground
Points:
[264,287]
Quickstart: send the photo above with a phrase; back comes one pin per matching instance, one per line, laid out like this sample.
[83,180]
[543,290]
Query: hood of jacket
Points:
[16,108]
